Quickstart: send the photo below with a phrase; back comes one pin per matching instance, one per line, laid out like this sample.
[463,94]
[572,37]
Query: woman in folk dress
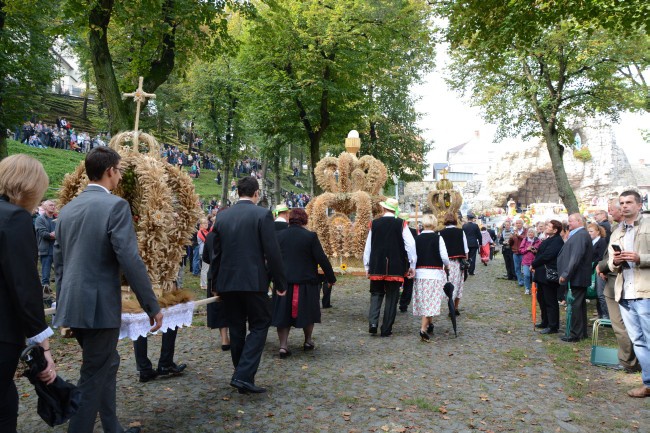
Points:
[457,249]
[429,275]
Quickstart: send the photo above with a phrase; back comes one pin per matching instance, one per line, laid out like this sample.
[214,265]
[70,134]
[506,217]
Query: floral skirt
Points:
[456,278]
[427,296]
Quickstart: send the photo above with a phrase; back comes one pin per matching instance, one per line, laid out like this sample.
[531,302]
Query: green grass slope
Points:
[58,162]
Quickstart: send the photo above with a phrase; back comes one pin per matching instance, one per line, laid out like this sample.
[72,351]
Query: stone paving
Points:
[498,375]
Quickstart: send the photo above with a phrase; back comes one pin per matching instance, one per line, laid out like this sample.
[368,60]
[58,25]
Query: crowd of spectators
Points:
[59,136]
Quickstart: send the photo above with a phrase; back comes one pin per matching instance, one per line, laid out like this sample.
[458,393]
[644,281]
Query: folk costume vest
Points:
[454,241]
[388,259]
[427,246]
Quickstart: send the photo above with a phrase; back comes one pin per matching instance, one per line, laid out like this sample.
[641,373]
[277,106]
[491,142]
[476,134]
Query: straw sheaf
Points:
[318,219]
[325,173]
[163,202]
[119,142]
[375,172]
[73,184]
[340,226]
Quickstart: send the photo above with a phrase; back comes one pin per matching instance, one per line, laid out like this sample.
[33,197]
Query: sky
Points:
[448,120]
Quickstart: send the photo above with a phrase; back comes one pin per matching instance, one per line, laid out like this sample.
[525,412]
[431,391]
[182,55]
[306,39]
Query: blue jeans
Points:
[196,261]
[527,277]
[636,316]
[46,267]
[520,276]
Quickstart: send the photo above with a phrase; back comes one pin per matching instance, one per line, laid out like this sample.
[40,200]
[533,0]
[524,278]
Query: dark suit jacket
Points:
[301,253]
[473,235]
[280,225]
[21,294]
[574,260]
[547,257]
[246,250]
[95,242]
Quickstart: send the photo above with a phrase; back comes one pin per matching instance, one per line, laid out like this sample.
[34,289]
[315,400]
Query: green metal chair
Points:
[601,355]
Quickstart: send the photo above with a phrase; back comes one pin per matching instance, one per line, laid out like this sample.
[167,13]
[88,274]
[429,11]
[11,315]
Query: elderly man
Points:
[389,256]
[602,219]
[574,268]
[281,217]
[44,226]
[629,256]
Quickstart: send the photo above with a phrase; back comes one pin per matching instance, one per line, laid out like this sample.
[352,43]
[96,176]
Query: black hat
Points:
[470,216]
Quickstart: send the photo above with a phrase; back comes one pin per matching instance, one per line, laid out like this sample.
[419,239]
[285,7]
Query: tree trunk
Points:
[98,19]
[277,180]
[4,150]
[225,178]
[314,157]
[564,189]
[84,109]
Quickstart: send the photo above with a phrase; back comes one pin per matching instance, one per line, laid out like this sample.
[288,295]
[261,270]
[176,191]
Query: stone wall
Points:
[524,172]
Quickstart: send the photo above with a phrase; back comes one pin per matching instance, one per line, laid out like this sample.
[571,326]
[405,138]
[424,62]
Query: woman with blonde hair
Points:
[23,183]
[429,275]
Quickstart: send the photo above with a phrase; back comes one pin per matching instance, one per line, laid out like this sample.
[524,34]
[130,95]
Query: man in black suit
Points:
[574,268]
[602,218]
[474,240]
[246,251]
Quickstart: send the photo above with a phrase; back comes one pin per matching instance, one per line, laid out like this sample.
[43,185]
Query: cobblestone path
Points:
[498,375]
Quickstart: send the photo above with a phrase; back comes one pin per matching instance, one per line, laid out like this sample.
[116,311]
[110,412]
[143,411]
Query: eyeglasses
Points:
[120,169]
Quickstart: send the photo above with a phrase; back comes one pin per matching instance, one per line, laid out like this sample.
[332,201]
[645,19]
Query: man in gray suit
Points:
[95,243]
[44,226]
[574,268]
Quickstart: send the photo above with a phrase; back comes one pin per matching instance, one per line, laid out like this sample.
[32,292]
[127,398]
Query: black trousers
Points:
[9,354]
[97,381]
[407,294]
[579,312]
[379,290]
[541,301]
[167,348]
[510,264]
[254,309]
[472,259]
[549,299]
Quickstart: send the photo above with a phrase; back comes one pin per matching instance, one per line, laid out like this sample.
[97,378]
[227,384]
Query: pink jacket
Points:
[528,256]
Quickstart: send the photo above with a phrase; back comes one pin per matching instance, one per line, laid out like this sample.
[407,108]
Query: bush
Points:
[583,154]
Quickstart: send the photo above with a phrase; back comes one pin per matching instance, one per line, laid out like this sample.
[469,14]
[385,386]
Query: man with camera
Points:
[629,256]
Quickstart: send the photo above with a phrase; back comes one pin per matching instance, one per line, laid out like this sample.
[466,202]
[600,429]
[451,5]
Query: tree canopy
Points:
[534,69]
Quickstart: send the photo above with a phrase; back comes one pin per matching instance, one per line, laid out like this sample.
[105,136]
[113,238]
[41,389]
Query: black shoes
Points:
[147,375]
[430,328]
[372,329]
[548,331]
[403,310]
[570,339]
[246,387]
[425,337]
[386,334]
[540,326]
[173,369]
[133,430]
[225,347]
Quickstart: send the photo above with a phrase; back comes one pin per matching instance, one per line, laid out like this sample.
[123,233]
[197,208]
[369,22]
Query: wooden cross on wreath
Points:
[139,96]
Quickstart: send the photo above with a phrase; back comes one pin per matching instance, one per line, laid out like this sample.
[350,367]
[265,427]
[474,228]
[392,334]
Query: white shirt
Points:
[434,274]
[629,292]
[101,186]
[280,219]
[409,245]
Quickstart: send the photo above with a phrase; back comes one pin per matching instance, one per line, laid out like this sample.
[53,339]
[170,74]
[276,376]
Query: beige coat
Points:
[642,247]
